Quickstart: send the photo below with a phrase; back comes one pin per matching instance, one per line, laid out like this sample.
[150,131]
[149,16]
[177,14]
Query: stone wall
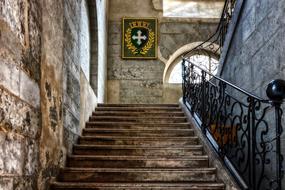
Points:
[19,136]
[141,81]
[171,92]
[256,55]
[94,44]
[257,52]
[20,54]
[88,100]
[51,144]
[44,88]
[71,71]
[65,107]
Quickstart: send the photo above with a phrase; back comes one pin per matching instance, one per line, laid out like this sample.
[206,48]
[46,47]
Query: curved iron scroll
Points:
[245,129]
[214,44]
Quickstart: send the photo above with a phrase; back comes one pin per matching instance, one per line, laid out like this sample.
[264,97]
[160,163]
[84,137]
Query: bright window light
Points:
[208,63]
[192,8]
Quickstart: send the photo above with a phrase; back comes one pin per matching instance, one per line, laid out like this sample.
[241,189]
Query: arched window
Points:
[206,62]
[176,74]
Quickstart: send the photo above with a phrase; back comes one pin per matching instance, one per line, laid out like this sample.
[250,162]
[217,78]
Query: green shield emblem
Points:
[139,37]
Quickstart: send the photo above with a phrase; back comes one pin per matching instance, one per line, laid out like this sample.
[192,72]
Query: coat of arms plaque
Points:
[139,38]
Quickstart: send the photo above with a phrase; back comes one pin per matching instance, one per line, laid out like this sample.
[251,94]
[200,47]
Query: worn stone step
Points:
[145,141]
[137,146]
[136,132]
[138,119]
[137,186]
[137,175]
[138,105]
[83,161]
[137,114]
[139,109]
[134,125]
[137,150]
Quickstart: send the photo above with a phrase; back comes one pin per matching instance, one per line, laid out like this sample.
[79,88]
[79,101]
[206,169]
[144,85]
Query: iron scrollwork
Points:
[241,124]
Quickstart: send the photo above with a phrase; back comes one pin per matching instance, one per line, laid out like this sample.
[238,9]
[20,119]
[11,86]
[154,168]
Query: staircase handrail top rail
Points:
[228,83]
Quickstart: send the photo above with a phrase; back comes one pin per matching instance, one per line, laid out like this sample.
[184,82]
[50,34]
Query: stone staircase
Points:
[128,146]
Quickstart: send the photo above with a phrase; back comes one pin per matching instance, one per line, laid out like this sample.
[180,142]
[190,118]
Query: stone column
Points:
[102,12]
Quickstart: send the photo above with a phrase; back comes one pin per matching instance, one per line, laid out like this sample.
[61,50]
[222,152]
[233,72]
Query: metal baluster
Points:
[256,152]
[203,101]
[252,136]
[183,81]
[192,82]
[276,93]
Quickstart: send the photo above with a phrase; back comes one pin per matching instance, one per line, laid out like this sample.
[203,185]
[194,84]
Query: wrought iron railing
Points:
[243,128]
[214,44]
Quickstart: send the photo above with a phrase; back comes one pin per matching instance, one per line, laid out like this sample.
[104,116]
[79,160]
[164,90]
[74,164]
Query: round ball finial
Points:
[276,90]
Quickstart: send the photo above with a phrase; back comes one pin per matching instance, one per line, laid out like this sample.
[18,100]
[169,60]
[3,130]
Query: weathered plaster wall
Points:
[132,81]
[19,135]
[20,28]
[44,90]
[66,60]
[88,100]
[51,144]
[20,41]
[171,93]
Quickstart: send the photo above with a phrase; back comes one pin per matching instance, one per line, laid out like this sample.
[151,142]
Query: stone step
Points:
[130,150]
[83,161]
[138,105]
[134,125]
[137,175]
[145,141]
[137,147]
[137,114]
[136,132]
[138,119]
[139,109]
[137,186]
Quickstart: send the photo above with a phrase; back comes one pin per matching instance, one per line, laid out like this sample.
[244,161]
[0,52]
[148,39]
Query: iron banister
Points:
[244,129]
[226,82]
[221,30]
[240,128]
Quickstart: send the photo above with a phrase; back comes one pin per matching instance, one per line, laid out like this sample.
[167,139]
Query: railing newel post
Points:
[276,93]
[279,159]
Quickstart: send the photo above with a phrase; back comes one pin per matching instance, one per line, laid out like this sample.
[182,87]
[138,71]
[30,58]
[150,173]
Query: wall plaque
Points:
[139,38]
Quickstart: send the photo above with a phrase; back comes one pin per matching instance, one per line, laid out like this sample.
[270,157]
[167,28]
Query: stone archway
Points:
[176,57]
